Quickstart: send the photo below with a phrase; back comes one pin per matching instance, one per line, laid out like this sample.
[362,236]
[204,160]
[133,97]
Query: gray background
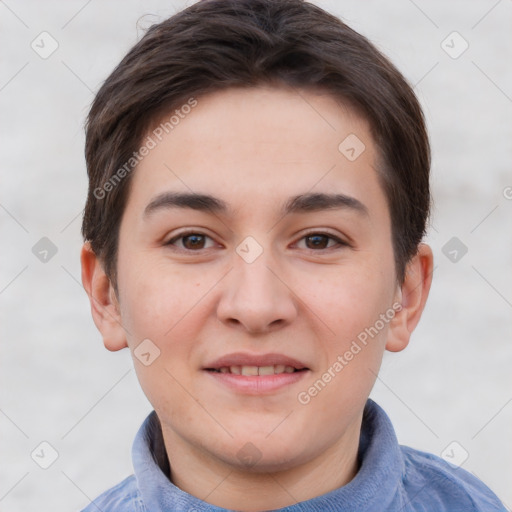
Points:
[60,385]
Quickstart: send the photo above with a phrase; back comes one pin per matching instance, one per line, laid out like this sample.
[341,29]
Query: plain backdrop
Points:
[449,392]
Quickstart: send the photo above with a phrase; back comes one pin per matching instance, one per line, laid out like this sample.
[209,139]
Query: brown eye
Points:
[190,241]
[322,241]
[193,241]
[317,241]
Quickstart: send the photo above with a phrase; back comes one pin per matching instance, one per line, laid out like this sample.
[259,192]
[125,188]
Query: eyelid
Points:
[183,234]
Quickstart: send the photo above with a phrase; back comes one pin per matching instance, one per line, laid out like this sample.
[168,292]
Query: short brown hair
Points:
[216,44]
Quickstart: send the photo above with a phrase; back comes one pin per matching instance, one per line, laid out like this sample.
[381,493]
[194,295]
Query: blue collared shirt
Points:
[391,478]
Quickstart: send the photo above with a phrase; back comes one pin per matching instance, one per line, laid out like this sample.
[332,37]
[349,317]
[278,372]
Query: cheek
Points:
[348,299]
[158,299]
[162,306]
[349,303]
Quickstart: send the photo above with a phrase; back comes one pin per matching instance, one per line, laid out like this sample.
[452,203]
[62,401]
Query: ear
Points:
[412,295]
[104,304]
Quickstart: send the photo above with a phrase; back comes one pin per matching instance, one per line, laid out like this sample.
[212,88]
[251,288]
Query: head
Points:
[258,185]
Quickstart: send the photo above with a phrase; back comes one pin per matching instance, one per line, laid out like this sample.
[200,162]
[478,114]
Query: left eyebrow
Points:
[302,203]
[313,202]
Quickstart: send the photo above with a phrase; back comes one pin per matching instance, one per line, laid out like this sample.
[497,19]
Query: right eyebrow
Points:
[194,201]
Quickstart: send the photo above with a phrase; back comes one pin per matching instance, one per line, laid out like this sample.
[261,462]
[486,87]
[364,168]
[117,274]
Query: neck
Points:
[225,485]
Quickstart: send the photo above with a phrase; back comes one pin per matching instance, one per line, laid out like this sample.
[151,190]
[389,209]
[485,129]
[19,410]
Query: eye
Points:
[320,241]
[190,241]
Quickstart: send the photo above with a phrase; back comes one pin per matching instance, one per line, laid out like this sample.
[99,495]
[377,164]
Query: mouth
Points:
[257,370]
[242,363]
[256,374]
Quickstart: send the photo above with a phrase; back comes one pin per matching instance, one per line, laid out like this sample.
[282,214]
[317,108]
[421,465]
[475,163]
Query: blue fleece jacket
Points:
[391,478]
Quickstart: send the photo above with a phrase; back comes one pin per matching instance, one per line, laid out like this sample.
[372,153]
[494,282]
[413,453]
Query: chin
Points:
[265,463]
[260,453]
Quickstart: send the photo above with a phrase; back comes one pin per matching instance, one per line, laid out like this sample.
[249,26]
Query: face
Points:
[256,299]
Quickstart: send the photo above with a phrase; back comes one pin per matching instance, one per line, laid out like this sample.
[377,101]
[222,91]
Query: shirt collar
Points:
[373,488]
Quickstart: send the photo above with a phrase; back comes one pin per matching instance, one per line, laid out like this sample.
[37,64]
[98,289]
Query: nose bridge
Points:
[253,295]
[252,278]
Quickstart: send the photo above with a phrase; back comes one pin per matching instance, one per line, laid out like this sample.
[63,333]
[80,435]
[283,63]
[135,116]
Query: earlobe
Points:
[104,305]
[413,296]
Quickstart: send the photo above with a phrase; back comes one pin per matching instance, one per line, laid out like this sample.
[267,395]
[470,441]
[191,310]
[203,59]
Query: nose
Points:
[256,296]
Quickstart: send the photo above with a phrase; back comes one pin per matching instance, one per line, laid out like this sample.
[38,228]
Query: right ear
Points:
[104,305]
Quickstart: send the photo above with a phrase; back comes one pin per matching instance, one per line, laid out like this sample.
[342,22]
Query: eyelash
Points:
[340,243]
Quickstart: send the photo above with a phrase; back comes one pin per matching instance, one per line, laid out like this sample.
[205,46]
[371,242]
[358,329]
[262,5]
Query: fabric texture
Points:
[391,478]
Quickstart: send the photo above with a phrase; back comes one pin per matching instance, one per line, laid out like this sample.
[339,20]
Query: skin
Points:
[254,149]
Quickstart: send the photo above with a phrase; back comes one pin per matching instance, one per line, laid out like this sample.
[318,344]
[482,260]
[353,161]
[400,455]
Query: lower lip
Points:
[257,384]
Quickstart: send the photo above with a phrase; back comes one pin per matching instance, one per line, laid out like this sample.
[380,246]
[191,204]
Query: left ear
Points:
[413,295]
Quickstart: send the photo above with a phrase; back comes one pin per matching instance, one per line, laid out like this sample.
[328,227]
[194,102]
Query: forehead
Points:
[258,143]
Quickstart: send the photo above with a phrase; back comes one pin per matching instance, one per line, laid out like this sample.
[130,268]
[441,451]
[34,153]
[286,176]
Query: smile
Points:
[256,370]
[255,374]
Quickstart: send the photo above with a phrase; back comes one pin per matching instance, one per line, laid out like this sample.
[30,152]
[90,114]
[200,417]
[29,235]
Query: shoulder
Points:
[430,479]
[123,497]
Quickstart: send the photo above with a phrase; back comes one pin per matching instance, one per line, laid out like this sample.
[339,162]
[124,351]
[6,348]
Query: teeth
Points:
[257,370]
[249,370]
[266,370]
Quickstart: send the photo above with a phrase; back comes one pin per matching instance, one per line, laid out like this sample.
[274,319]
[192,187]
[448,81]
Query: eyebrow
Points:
[302,203]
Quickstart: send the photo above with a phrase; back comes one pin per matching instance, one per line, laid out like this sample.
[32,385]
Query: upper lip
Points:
[244,359]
